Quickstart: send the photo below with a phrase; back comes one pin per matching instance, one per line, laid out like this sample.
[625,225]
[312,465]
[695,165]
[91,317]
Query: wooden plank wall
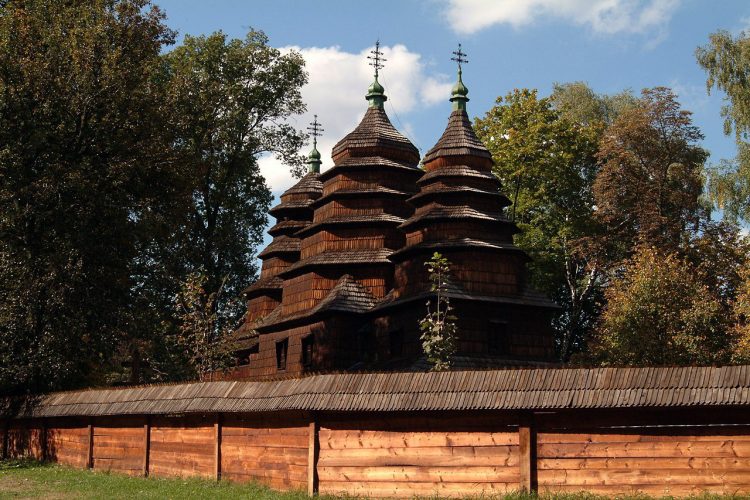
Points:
[677,462]
[119,445]
[413,456]
[267,449]
[182,446]
[676,452]
[68,442]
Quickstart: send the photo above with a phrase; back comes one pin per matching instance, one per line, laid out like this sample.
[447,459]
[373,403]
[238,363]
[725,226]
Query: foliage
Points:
[203,335]
[439,326]
[548,164]
[229,99]
[577,102]
[659,312]
[123,170]
[84,160]
[726,60]
[649,188]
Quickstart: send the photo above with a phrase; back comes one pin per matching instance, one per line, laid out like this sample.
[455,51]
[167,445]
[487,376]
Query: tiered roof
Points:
[293,213]
[458,186]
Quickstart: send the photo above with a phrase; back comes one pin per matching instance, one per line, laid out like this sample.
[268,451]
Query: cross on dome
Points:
[460,57]
[376,59]
[313,159]
[316,130]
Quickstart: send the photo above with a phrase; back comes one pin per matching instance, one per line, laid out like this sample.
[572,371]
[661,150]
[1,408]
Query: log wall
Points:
[675,452]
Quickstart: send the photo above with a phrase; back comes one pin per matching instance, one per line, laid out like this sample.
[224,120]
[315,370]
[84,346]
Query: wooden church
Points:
[343,284]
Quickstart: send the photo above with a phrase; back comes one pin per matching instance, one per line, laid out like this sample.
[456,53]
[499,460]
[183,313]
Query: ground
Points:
[25,479]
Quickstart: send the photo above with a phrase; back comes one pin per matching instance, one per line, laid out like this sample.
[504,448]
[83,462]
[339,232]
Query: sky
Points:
[610,44]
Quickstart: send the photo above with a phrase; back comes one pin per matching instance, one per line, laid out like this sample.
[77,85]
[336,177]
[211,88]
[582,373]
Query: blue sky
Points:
[611,44]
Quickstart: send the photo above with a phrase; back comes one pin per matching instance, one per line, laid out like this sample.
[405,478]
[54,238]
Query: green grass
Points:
[28,479]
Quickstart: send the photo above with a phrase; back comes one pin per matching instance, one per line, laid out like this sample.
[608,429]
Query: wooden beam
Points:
[313,452]
[90,447]
[43,440]
[527,453]
[6,439]
[146,444]
[217,451]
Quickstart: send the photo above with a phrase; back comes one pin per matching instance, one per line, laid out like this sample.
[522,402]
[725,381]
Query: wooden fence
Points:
[671,451]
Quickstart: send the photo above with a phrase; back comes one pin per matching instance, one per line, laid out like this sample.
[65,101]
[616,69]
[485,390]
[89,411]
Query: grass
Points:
[30,479]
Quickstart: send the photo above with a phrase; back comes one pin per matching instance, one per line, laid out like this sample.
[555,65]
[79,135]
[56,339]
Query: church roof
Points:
[458,139]
[375,131]
[288,227]
[360,257]
[346,296]
[264,284]
[455,212]
[310,183]
[281,244]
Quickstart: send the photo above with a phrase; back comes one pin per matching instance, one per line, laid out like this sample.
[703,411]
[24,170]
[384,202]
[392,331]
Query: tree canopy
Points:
[125,168]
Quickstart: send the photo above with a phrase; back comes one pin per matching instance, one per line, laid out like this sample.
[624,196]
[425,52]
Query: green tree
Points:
[659,312]
[577,102]
[726,60]
[229,100]
[649,188]
[547,164]
[439,326]
[202,334]
[85,158]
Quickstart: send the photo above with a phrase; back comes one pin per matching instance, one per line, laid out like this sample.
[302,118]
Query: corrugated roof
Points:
[511,389]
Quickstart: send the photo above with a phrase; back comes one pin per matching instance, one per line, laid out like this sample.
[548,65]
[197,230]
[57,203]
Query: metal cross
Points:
[315,130]
[376,59]
[460,57]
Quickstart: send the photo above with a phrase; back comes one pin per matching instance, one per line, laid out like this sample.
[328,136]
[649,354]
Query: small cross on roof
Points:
[376,59]
[460,57]
[315,129]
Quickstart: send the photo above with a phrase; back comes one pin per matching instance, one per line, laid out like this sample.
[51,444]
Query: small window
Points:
[243,356]
[281,349]
[308,349]
[396,339]
[497,338]
[366,347]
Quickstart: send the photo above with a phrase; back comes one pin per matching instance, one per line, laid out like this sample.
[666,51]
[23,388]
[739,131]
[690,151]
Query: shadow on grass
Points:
[22,463]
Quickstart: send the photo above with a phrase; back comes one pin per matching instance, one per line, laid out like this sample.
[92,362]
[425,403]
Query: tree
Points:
[85,158]
[726,60]
[577,102]
[228,100]
[648,190]
[547,163]
[231,98]
[660,313]
[203,335]
[439,326]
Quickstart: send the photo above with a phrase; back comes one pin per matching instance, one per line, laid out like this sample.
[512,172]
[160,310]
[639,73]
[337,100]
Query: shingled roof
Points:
[511,389]
[346,296]
[458,139]
[375,131]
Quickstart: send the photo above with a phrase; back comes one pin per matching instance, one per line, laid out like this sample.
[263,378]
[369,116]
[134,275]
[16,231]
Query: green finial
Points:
[376,93]
[313,159]
[460,91]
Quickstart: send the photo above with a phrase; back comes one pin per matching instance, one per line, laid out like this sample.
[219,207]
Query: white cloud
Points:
[336,93]
[602,16]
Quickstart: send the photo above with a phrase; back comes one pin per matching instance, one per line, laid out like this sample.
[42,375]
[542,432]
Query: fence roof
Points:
[509,389]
